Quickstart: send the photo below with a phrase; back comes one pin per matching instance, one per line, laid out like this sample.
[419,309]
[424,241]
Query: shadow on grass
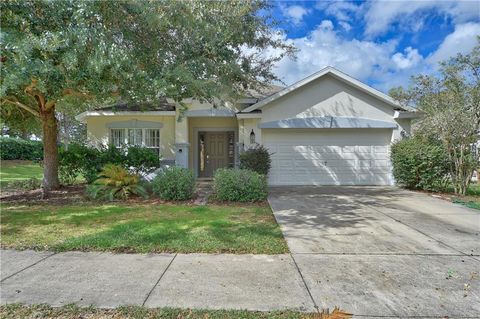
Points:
[143,228]
[218,236]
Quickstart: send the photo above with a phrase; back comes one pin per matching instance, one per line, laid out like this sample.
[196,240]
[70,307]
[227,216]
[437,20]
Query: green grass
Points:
[11,171]
[471,199]
[142,228]
[475,204]
[71,311]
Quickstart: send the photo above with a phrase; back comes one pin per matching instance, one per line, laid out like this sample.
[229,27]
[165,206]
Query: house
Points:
[327,129]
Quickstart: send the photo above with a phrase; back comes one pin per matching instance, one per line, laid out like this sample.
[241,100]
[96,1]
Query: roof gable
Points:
[335,73]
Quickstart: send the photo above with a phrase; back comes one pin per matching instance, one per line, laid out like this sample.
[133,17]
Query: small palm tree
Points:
[116,182]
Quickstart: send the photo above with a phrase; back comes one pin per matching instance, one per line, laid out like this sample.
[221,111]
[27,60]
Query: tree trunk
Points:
[50,150]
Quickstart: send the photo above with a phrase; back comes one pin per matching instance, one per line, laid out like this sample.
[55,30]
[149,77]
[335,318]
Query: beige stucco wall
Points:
[328,96]
[98,132]
[245,129]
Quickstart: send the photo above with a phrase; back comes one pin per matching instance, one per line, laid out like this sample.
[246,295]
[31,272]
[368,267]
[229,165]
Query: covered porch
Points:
[207,140]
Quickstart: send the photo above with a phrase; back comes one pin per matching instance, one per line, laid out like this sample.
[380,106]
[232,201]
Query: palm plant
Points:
[115,182]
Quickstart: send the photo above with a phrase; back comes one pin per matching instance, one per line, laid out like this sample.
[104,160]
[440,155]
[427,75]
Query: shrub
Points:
[89,161]
[143,160]
[97,158]
[71,163]
[256,159]
[420,164]
[20,149]
[240,185]
[174,183]
[115,182]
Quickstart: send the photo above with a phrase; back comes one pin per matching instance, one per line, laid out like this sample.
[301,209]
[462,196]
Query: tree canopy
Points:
[451,103]
[73,53]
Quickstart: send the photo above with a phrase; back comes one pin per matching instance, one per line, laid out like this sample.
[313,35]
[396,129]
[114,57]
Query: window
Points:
[117,137]
[146,137]
[152,139]
[135,136]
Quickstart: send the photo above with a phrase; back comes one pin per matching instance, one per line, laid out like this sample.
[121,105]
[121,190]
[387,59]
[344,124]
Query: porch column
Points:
[181,141]
[240,150]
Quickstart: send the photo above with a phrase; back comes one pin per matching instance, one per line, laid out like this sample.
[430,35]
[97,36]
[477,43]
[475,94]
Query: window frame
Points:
[126,138]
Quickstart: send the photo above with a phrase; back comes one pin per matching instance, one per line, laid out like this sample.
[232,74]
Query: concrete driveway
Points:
[382,251]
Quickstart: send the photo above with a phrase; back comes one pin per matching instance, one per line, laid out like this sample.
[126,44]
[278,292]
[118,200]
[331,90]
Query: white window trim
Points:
[143,143]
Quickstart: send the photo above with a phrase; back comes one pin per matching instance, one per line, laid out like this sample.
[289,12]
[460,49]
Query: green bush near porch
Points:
[256,159]
[174,183]
[86,161]
[239,185]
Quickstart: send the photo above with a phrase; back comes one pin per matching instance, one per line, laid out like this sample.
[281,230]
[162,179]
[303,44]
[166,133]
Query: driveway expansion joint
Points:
[160,278]
[305,283]
[29,266]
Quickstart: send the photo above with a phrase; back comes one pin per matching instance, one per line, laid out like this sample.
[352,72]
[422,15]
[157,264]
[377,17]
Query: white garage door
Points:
[329,157]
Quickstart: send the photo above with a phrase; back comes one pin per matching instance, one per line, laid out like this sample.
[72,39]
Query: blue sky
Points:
[381,43]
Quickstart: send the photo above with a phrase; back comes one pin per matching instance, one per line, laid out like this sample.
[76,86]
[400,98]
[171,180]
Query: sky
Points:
[382,43]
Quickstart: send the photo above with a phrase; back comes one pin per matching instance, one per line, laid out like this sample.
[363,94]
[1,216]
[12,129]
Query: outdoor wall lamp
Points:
[252,137]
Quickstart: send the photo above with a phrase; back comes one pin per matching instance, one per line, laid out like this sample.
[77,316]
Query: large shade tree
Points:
[450,100]
[98,52]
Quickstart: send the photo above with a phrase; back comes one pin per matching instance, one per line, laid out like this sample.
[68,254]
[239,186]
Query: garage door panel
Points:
[318,157]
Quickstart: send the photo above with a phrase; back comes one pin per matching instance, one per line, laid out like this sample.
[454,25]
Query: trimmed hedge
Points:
[256,159]
[174,183]
[20,149]
[420,164]
[88,161]
[143,160]
[239,185]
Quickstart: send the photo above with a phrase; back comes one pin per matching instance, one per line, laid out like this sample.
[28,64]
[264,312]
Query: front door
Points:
[213,152]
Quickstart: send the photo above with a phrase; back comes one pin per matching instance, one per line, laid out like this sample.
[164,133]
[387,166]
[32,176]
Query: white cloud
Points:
[380,15]
[410,59]
[379,63]
[323,47]
[326,25]
[295,13]
[462,40]
[345,25]
[341,10]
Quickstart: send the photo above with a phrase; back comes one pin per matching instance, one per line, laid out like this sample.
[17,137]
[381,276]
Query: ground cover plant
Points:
[115,182]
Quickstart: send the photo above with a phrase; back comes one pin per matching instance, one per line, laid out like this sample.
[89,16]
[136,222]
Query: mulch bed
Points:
[72,195]
[75,194]
[64,195]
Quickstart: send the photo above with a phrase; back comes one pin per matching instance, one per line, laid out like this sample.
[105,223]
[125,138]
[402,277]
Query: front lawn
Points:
[142,228]
[11,171]
[71,311]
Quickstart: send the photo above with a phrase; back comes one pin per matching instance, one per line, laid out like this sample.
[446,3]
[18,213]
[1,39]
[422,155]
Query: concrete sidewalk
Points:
[105,280]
